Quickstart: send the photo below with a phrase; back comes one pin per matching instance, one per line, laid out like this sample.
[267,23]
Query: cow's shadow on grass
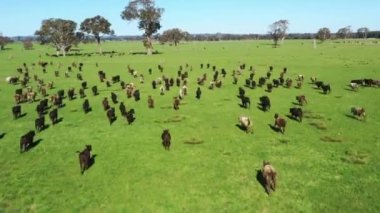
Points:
[350,116]
[274,128]
[59,120]
[22,115]
[242,106]
[92,161]
[33,144]
[292,118]
[260,107]
[89,110]
[2,135]
[260,178]
[241,127]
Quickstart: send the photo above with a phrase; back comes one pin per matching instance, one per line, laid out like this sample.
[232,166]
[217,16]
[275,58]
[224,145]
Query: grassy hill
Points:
[327,163]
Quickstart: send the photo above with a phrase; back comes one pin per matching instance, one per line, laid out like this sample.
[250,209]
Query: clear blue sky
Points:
[23,17]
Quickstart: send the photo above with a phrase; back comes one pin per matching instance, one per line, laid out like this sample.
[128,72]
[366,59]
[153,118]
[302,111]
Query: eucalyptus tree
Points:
[96,25]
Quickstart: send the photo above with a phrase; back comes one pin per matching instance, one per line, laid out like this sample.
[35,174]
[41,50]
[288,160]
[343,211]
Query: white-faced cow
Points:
[246,124]
[269,176]
[358,112]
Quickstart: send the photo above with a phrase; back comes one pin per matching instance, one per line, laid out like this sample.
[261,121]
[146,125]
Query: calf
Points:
[245,123]
[150,102]
[269,176]
[85,158]
[26,141]
[114,98]
[39,123]
[111,115]
[265,102]
[94,90]
[16,111]
[358,112]
[296,113]
[105,104]
[54,116]
[166,137]
[86,106]
[301,99]
[279,123]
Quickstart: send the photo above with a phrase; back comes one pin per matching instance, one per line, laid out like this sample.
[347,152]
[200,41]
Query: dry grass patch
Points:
[355,157]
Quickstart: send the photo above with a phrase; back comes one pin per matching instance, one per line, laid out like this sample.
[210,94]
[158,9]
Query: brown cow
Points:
[150,102]
[279,123]
[301,99]
[85,158]
[176,103]
[269,176]
[358,112]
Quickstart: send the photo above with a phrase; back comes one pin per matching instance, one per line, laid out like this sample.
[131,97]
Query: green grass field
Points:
[327,163]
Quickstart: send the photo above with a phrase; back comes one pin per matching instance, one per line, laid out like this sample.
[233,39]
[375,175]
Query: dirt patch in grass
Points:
[355,157]
[319,125]
[193,141]
[313,115]
[174,119]
[332,139]
[284,141]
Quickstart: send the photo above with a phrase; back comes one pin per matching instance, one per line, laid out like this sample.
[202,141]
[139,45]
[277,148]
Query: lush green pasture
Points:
[212,164]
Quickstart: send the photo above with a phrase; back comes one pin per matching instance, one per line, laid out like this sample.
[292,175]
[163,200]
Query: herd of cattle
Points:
[50,106]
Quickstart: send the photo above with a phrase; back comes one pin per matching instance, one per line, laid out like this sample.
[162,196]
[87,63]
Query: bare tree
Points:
[323,34]
[344,32]
[148,16]
[363,32]
[95,26]
[278,30]
[59,32]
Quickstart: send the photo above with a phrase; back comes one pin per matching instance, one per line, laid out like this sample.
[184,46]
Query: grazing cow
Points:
[108,84]
[253,84]
[184,89]
[85,158]
[288,83]
[26,141]
[178,82]
[102,76]
[269,176]
[166,137]
[176,103]
[245,101]
[39,123]
[248,82]
[111,115]
[122,108]
[130,116]
[279,123]
[300,77]
[301,100]
[150,102]
[86,106]
[358,112]
[246,124]
[54,116]
[31,96]
[326,88]
[218,83]
[198,93]
[299,84]
[354,86]
[368,82]
[265,102]
[115,78]
[12,79]
[56,100]
[114,98]
[94,90]
[16,111]
[154,84]
[223,72]
[296,113]
[79,77]
[105,104]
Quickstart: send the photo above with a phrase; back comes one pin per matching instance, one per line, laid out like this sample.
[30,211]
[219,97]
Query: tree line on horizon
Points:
[63,36]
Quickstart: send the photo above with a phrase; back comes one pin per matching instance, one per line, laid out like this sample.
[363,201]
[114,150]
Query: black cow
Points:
[111,115]
[262,81]
[248,82]
[368,82]
[16,111]
[102,76]
[26,141]
[178,82]
[326,88]
[54,116]
[241,92]
[130,116]
[150,102]
[39,123]
[359,82]
[79,77]
[86,106]
[85,158]
[265,103]
[245,101]
[82,93]
[115,78]
[154,84]
[198,93]
[276,82]
[253,84]
[166,138]
[71,93]
[136,95]
[61,93]
[94,90]
[318,84]
[269,87]
[114,98]
[122,108]
[84,84]
[296,113]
